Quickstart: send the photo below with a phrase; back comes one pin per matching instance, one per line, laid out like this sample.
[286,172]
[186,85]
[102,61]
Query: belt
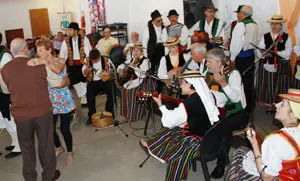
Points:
[77,62]
[247,53]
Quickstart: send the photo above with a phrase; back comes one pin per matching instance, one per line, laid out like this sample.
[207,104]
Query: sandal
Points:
[144,148]
[70,158]
[59,151]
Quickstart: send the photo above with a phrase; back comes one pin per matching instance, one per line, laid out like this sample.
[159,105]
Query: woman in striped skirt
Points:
[179,142]
[132,80]
[296,78]
[279,156]
[275,70]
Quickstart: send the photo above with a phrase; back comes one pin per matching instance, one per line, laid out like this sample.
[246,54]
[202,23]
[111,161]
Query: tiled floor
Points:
[104,155]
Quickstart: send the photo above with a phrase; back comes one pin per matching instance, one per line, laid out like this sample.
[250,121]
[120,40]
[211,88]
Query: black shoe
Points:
[88,121]
[9,148]
[56,175]
[218,172]
[84,105]
[12,155]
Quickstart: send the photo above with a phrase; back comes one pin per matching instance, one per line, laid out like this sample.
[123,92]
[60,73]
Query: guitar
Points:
[144,96]
[212,84]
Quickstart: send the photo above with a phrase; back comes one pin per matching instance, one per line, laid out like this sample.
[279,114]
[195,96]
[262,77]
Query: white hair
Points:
[216,54]
[199,48]
[17,45]
[248,10]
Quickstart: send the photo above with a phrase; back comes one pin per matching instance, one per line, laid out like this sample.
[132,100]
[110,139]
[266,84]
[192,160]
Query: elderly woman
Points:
[61,97]
[279,157]
[274,77]
[133,79]
[178,143]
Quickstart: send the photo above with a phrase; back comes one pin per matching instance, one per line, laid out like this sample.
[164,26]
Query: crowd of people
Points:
[214,72]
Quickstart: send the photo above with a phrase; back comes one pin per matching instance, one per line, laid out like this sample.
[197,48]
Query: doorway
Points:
[12,34]
[39,20]
[194,11]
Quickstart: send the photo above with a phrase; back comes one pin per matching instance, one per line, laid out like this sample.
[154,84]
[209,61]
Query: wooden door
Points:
[39,20]
[12,34]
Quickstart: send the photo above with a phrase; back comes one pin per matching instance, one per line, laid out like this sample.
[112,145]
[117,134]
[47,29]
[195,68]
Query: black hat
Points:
[211,6]
[155,14]
[239,9]
[173,12]
[74,26]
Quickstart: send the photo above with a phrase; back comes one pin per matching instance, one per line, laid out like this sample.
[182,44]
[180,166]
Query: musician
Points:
[179,142]
[128,48]
[133,79]
[296,83]
[107,43]
[275,70]
[176,29]
[97,69]
[233,24]
[153,37]
[278,158]
[242,53]
[198,53]
[75,50]
[170,64]
[211,25]
[231,94]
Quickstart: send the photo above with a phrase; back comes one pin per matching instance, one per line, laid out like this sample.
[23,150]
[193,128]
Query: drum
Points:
[102,119]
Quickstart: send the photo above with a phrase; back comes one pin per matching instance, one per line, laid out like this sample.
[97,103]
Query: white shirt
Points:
[297,47]
[242,36]
[275,149]
[208,29]
[175,117]
[234,91]
[76,53]
[98,69]
[161,36]
[184,33]
[286,54]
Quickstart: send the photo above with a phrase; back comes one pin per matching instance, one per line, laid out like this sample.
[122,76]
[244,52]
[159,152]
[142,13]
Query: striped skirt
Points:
[130,108]
[236,171]
[270,84]
[177,150]
[296,82]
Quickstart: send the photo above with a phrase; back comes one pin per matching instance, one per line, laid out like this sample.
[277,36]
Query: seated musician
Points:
[132,79]
[231,89]
[97,71]
[278,158]
[198,53]
[184,126]
[170,64]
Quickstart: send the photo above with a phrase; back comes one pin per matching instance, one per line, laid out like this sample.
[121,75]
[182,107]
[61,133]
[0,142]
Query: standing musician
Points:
[170,64]
[211,25]
[231,94]
[133,79]
[275,70]
[176,29]
[97,73]
[179,142]
[75,50]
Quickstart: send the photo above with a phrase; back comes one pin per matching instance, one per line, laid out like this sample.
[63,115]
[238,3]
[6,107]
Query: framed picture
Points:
[65,19]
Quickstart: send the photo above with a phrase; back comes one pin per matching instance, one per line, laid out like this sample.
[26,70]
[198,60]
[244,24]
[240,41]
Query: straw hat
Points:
[277,18]
[171,41]
[191,74]
[137,45]
[292,95]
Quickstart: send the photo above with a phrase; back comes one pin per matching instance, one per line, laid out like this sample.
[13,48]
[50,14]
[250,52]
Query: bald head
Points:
[18,46]
[107,33]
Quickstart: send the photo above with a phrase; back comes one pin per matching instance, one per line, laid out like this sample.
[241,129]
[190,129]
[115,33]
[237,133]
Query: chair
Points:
[210,147]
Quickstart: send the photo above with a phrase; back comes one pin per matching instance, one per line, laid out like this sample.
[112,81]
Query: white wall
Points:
[15,14]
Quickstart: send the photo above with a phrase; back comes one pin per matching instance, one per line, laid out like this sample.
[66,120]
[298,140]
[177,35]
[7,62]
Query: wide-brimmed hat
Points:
[277,18]
[173,12]
[191,74]
[171,41]
[137,45]
[210,6]
[155,14]
[239,9]
[74,26]
[292,95]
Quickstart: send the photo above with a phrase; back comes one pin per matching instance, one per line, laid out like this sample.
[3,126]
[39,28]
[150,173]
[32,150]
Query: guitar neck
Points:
[167,98]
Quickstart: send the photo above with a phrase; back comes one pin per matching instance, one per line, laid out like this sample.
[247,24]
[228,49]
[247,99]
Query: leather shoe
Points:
[88,121]
[218,172]
[9,148]
[12,154]
[56,175]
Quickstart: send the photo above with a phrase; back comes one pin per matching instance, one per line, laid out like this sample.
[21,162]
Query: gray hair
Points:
[248,10]
[216,54]
[199,48]
[17,45]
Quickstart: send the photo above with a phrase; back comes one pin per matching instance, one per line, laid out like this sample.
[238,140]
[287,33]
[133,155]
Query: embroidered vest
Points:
[152,39]
[290,168]
[169,64]
[70,49]
[280,45]
[174,31]
[104,63]
[214,27]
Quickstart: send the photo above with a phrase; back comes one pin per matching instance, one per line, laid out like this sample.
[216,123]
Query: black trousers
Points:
[93,89]
[43,127]
[155,56]
[233,122]
[241,65]
[65,131]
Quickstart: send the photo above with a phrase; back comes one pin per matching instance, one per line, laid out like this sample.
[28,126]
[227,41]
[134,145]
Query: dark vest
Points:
[71,42]
[269,41]
[198,121]
[141,61]
[152,39]
[169,64]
